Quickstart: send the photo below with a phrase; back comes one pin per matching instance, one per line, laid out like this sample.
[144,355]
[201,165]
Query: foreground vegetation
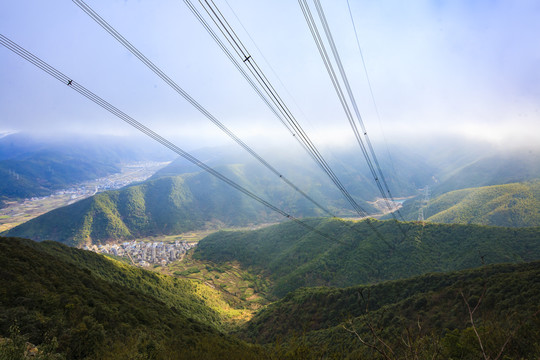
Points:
[74,304]
[95,308]
[488,312]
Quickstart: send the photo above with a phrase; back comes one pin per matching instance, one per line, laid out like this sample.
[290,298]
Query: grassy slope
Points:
[97,308]
[294,257]
[515,205]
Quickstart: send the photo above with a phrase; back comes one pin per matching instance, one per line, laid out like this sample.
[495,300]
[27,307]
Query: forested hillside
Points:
[89,307]
[165,206]
[424,317]
[293,256]
[514,205]
[172,205]
[74,304]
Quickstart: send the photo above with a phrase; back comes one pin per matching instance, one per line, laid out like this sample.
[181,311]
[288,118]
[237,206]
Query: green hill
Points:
[419,318]
[293,256]
[167,205]
[80,305]
[513,205]
[164,206]
[85,306]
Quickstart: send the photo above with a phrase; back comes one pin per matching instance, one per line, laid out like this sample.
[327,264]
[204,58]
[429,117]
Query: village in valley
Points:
[145,254]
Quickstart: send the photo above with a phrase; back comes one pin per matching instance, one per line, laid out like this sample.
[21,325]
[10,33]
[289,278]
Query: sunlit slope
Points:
[515,205]
[169,205]
[425,315]
[294,257]
[97,308]
[190,298]
[164,206]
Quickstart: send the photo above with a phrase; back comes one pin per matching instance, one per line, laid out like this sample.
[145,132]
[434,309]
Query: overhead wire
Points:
[242,52]
[104,24]
[368,80]
[293,127]
[375,170]
[335,81]
[9,44]
[265,60]
[337,57]
[273,97]
[244,55]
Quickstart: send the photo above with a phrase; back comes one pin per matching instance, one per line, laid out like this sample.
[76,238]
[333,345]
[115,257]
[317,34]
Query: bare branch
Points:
[471,319]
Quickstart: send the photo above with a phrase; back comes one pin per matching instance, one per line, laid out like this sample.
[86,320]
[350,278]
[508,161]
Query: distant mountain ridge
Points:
[195,200]
[499,168]
[37,166]
[175,204]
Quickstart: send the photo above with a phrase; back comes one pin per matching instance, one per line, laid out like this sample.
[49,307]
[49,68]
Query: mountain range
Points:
[463,284]
[32,165]
[180,197]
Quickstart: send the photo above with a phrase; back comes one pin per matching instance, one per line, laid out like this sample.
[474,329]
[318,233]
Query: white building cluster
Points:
[145,253]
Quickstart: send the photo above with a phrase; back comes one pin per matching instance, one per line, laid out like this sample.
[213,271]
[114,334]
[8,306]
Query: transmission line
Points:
[371,161]
[328,33]
[273,96]
[88,10]
[246,58]
[371,92]
[293,125]
[126,118]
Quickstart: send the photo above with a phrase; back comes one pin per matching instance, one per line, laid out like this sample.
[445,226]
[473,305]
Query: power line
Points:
[265,60]
[126,118]
[97,18]
[244,55]
[293,126]
[377,174]
[377,113]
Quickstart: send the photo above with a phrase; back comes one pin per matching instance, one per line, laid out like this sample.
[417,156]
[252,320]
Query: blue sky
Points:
[462,67]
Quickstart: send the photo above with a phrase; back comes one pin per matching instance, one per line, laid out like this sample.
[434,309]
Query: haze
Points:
[436,68]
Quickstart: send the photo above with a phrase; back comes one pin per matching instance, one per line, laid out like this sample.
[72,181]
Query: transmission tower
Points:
[423,203]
